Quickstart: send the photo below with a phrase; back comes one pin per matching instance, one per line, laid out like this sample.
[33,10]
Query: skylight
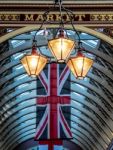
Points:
[16,43]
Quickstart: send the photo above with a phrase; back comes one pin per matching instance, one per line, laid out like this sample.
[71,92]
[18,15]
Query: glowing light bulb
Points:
[33,62]
[79,63]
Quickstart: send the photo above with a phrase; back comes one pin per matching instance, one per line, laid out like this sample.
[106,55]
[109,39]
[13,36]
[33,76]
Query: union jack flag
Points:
[53,103]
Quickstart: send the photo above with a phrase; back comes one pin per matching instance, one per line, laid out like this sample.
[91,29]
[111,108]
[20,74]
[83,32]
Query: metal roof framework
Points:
[91,112]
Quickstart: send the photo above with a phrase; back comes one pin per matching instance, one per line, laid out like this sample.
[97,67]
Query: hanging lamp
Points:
[61,47]
[34,62]
[80,65]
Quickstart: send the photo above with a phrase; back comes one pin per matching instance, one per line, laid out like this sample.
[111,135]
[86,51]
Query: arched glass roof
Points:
[91,98]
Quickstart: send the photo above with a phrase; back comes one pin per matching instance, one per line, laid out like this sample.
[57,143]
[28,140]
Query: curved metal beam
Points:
[78,27]
[84,136]
[34,97]
[91,121]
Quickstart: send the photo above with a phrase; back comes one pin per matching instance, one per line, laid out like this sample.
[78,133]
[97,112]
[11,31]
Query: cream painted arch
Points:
[36,27]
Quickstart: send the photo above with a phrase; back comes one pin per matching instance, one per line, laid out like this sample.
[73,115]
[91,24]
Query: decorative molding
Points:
[88,13]
[51,1]
[85,18]
[78,27]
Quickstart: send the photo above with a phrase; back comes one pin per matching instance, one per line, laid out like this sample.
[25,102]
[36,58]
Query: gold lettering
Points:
[29,17]
[65,17]
[81,17]
[14,17]
[94,17]
[6,17]
[50,17]
[58,17]
[110,17]
[68,18]
[103,17]
[39,18]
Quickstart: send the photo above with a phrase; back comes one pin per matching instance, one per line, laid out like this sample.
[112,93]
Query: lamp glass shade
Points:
[34,64]
[80,65]
[61,48]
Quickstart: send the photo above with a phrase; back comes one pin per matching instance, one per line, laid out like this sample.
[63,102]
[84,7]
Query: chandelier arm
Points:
[45,18]
[66,33]
[50,57]
[61,24]
[71,20]
[61,21]
[39,51]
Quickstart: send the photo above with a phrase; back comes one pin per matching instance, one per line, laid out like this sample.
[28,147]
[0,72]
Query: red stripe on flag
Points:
[65,124]
[53,78]
[42,128]
[55,142]
[51,143]
[43,82]
[53,100]
[63,73]
[42,101]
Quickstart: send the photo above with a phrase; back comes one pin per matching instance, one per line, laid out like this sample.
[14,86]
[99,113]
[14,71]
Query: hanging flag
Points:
[53,103]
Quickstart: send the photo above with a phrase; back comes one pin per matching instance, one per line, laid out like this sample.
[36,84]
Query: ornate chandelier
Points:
[61,47]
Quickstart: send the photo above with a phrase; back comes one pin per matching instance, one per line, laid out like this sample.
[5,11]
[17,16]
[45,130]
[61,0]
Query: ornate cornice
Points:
[25,13]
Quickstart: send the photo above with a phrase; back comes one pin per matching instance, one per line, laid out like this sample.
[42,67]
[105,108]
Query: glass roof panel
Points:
[17,43]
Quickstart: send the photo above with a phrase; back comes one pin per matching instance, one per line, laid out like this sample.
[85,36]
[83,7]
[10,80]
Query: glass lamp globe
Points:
[33,63]
[80,65]
[61,47]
